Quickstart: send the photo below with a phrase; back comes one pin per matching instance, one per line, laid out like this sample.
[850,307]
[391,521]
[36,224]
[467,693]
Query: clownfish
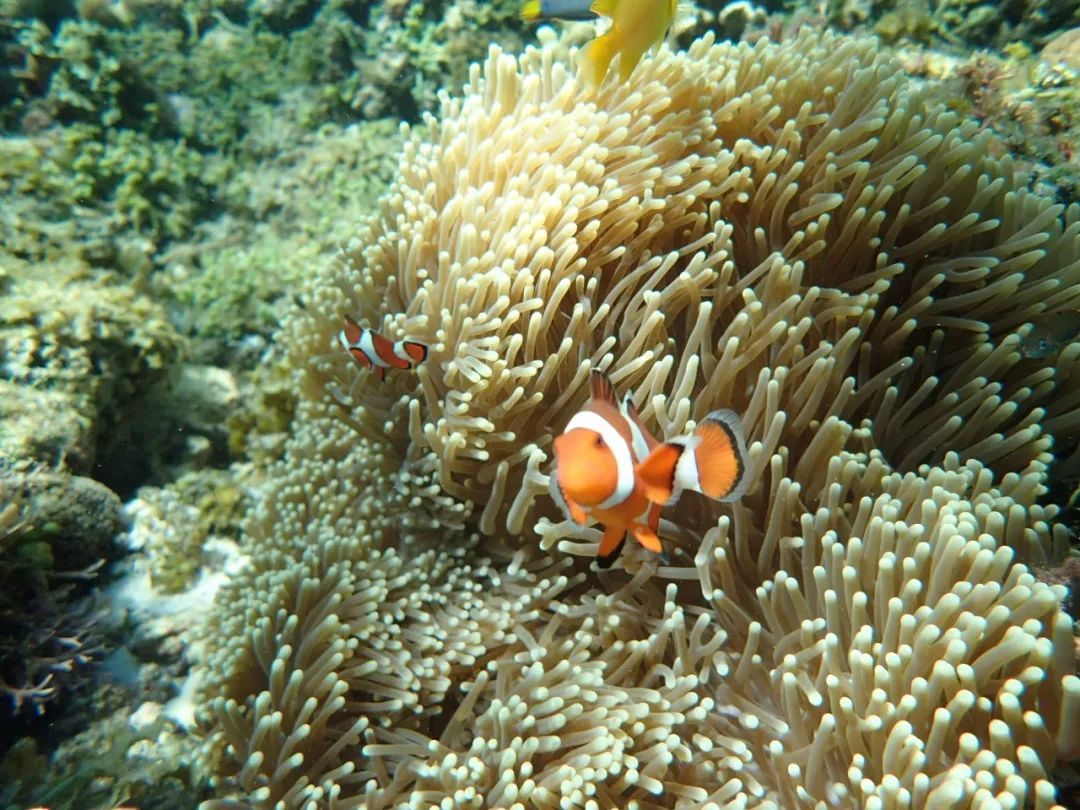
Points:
[636,26]
[608,467]
[371,350]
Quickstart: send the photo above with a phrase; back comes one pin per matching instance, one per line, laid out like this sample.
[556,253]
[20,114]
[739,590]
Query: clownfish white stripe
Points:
[624,463]
[367,346]
[686,471]
[638,443]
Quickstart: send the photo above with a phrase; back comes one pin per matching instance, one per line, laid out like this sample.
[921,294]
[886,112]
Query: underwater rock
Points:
[201,401]
[126,759]
[43,425]
[78,517]
[109,350]
[1063,49]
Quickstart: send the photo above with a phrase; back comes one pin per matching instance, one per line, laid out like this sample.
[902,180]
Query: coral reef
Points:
[988,23]
[1029,101]
[283,216]
[795,231]
[178,520]
[128,759]
[94,153]
[109,351]
[55,533]
[958,22]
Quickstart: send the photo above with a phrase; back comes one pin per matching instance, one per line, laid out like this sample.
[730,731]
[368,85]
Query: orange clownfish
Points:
[636,26]
[608,467]
[371,350]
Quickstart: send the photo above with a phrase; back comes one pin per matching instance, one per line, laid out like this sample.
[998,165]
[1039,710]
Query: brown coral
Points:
[790,230]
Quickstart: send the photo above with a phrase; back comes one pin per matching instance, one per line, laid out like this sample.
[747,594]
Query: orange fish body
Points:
[373,351]
[608,467]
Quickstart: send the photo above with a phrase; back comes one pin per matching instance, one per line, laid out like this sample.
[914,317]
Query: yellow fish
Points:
[636,26]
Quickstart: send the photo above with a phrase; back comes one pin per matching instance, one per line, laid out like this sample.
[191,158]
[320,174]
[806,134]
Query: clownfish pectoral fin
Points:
[569,508]
[601,389]
[656,472]
[359,357]
[650,540]
[720,456]
[611,545]
[577,514]
[350,335]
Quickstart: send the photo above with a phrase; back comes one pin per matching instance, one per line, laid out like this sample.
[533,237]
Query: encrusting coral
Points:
[792,231]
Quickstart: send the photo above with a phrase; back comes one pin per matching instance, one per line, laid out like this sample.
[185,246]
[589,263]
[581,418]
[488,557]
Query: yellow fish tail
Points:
[596,58]
[530,12]
[630,58]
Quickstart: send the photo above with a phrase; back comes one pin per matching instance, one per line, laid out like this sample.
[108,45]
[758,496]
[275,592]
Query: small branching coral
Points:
[47,633]
[793,231]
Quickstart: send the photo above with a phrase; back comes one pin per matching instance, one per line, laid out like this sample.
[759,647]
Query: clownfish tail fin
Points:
[530,11]
[657,472]
[416,351]
[720,457]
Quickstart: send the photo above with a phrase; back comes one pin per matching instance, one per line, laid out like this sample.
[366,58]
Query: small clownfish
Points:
[371,350]
[608,467]
[636,26]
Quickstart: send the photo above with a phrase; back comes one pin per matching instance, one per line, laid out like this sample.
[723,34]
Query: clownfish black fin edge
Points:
[730,423]
[605,560]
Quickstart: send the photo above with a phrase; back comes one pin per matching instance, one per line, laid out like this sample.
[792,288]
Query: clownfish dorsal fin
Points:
[601,389]
[352,331]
